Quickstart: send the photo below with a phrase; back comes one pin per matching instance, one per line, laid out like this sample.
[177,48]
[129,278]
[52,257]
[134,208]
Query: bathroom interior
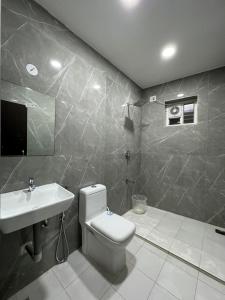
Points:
[112,165]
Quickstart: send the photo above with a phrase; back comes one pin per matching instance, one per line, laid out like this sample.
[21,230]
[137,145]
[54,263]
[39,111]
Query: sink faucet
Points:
[31,184]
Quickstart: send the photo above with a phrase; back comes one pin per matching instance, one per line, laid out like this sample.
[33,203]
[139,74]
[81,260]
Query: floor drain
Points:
[220,231]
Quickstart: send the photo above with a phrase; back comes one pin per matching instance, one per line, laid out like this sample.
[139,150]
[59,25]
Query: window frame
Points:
[182,102]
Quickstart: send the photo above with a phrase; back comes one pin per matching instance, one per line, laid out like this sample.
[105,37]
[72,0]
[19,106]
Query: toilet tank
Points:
[92,202]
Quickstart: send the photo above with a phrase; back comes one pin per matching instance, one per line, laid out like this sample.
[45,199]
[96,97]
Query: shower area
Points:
[181,171]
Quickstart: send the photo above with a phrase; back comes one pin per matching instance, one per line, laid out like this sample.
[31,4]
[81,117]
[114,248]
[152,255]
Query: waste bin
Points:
[139,203]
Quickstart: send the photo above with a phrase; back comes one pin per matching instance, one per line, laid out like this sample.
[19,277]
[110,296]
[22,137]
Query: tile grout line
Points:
[155,282]
[210,286]
[162,287]
[184,261]
[196,286]
[111,287]
[180,258]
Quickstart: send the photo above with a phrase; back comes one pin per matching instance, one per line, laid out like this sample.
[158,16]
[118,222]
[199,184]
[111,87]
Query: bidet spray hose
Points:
[62,235]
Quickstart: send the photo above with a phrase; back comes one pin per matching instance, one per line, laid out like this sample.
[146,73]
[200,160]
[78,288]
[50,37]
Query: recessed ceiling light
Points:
[129,3]
[96,86]
[55,64]
[180,95]
[169,51]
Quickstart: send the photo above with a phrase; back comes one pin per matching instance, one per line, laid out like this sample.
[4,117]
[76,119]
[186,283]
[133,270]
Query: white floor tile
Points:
[95,281]
[212,282]
[46,287]
[159,293]
[155,250]
[182,265]
[135,285]
[168,226]
[79,291]
[195,226]
[177,282]
[211,234]
[191,238]
[111,294]
[154,212]
[65,273]
[146,263]
[146,220]
[142,231]
[161,239]
[205,292]
[184,237]
[133,247]
[174,217]
[61,296]
[149,263]
[213,265]
[186,252]
[78,262]
[213,248]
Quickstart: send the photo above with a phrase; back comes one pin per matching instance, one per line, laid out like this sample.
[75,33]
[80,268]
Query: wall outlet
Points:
[152,99]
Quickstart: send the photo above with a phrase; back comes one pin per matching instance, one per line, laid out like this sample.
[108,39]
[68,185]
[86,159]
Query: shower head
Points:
[127,104]
[137,104]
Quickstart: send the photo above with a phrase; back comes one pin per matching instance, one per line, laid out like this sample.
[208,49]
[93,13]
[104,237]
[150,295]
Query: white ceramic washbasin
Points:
[22,208]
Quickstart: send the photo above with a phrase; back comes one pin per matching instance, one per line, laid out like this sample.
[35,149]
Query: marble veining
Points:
[179,169]
[89,93]
[183,168]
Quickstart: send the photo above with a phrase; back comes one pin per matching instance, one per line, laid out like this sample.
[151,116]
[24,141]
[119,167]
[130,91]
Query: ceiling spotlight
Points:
[169,51]
[130,3]
[180,95]
[55,64]
[96,86]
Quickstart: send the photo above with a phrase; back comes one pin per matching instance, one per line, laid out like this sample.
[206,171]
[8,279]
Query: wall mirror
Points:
[27,121]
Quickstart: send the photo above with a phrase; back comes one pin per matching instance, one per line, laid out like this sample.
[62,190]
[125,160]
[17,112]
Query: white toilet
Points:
[104,234]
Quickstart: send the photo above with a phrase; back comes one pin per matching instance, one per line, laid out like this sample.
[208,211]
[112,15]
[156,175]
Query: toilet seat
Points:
[113,227]
[105,235]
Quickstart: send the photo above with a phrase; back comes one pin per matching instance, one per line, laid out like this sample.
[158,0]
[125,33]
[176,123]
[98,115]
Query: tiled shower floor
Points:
[151,274]
[193,241]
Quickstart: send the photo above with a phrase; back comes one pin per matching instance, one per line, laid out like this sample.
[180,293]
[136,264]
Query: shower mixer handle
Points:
[127,155]
[130,181]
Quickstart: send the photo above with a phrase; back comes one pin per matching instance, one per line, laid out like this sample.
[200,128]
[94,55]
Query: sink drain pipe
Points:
[35,251]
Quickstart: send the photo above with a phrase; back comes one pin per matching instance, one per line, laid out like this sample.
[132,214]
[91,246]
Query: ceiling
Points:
[132,38]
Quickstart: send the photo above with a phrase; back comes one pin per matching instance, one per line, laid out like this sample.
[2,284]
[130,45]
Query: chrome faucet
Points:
[31,185]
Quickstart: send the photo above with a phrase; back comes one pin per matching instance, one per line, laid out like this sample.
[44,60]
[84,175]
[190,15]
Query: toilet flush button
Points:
[93,186]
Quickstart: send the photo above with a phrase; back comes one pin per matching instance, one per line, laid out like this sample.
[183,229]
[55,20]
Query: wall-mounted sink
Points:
[22,208]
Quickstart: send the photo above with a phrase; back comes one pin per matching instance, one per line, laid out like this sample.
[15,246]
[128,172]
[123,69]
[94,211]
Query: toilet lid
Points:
[113,226]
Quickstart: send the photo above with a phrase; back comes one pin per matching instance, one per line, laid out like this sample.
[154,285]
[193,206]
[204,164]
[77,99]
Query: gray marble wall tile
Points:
[90,137]
[122,134]
[179,169]
[182,168]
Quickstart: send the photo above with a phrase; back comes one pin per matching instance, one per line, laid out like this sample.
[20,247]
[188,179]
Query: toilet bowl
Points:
[105,235]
